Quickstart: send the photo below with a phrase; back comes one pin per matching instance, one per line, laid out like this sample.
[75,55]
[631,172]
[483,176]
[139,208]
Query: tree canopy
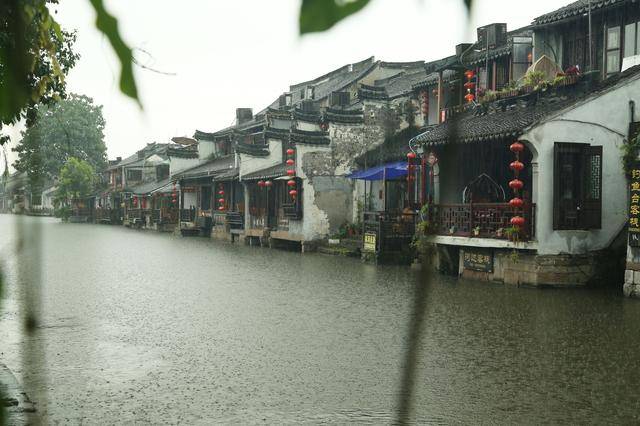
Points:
[73,127]
[76,181]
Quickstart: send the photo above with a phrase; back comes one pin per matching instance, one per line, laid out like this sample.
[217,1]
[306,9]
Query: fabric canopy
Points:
[388,171]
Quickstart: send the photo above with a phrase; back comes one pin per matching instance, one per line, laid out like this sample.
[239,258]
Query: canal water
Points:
[142,327]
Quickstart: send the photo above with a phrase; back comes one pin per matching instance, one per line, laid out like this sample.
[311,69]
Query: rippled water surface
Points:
[143,327]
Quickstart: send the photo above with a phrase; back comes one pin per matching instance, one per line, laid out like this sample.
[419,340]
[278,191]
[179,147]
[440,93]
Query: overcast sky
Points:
[244,53]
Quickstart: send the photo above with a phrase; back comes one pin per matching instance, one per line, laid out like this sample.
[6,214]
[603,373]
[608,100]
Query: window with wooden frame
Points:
[613,50]
[577,186]
[631,39]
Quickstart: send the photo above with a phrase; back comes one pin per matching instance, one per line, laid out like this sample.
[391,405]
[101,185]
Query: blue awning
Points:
[387,171]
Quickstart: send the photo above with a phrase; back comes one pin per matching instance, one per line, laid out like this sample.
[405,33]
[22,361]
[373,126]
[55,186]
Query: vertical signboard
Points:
[634,206]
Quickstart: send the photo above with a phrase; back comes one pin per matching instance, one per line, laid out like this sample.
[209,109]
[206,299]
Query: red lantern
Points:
[290,162]
[516,184]
[516,166]
[469,85]
[469,74]
[517,221]
[290,151]
[291,172]
[411,156]
[135,201]
[221,192]
[516,147]
[221,200]
[293,192]
[221,208]
[469,97]
[516,202]
[268,184]
[291,183]
[261,183]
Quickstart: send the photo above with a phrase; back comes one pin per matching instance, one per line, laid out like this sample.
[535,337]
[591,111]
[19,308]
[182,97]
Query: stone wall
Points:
[631,286]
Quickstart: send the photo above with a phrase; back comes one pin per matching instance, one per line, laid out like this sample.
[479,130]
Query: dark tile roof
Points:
[189,151]
[148,187]
[269,173]
[309,137]
[510,117]
[209,168]
[349,115]
[432,79]
[576,8]
[253,150]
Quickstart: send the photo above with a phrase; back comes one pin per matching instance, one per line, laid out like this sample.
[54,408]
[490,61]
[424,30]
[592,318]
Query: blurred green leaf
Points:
[108,25]
[320,15]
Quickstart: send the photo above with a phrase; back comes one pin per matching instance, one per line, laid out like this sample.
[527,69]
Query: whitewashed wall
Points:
[601,121]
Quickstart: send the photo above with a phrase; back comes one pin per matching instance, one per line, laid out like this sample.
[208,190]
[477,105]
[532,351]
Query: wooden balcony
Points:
[486,220]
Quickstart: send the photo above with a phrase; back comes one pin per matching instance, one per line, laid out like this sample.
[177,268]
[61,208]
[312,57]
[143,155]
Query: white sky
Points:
[245,53]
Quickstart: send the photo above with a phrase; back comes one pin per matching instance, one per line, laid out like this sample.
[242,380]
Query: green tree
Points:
[36,54]
[77,180]
[73,127]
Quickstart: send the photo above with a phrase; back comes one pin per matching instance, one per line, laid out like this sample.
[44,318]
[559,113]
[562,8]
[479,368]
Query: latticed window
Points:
[577,186]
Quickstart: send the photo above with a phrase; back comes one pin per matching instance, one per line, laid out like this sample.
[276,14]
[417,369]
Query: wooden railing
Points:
[235,220]
[219,220]
[482,220]
[394,231]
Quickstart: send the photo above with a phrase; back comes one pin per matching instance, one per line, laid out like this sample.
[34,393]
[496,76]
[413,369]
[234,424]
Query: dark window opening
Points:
[205,198]
[577,196]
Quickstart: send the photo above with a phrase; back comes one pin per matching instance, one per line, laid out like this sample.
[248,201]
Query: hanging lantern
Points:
[469,97]
[291,172]
[469,74]
[470,85]
[290,162]
[290,151]
[516,166]
[221,192]
[293,192]
[516,202]
[261,183]
[221,208]
[268,184]
[516,147]
[221,200]
[291,183]
[516,184]
[411,156]
[517,221]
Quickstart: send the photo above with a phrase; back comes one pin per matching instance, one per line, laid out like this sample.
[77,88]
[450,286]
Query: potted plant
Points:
[476,231]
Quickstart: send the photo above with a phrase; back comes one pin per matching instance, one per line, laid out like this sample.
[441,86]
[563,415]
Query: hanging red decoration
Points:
[293,192]
[291,183]
[268,184]
[469,85]
[411,156]
[291,172]
[261,183]
[516,147]
[221,192]
[516,166]
[290,151]
[517,221]
[290,162]
[221,208]
[516,184]
[516,202]
[221,200]
[469,97]
[469,74]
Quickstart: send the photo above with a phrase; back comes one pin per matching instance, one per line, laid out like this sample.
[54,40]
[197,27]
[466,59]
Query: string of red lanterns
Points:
[469,85]
[221,198]
[291,172]
[174,194]
[516,185]
[411,169]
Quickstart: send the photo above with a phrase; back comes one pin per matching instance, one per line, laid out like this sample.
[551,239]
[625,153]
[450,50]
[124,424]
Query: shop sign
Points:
[634,206]
[369,244]
[478,260]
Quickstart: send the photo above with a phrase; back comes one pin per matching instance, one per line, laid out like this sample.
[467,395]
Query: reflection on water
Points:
[141,326]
